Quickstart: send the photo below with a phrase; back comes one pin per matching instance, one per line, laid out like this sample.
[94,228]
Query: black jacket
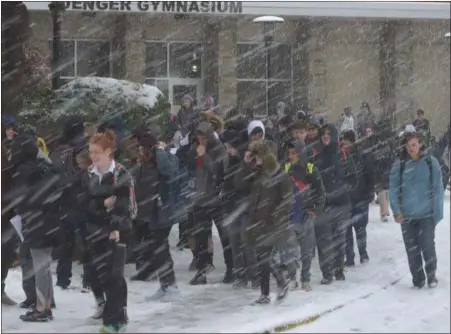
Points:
[365,175]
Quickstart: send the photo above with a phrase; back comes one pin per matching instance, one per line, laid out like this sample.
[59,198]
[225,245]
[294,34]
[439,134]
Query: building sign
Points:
[178,7]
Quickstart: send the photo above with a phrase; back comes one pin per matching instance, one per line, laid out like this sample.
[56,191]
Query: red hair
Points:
[106,140]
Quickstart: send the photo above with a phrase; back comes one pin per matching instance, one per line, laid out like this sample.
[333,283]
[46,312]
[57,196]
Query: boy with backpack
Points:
[309,196]
[417,198]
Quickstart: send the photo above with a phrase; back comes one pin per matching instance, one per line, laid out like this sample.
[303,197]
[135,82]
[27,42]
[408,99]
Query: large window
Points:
[82,58]
[251,75]
[166,60]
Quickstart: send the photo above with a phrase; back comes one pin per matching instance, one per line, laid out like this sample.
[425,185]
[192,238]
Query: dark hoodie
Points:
[210,167]
[337,170]
[308,186]
[35,194]
[185,116]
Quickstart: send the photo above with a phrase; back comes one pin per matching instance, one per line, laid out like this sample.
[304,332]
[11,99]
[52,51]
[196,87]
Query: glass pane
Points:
[156,60]
[67,57]
[278,91]
[178,91]
[93,59]
[280,61]
[251,61]
[162,85]
[185,60]
[252,94]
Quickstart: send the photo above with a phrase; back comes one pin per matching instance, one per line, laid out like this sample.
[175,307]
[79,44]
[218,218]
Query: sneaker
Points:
[198,279]
[305,286]
[384,219]
[112,328]
[432,282]
[63,285]
[36,316]
[166,294]
[326,281]
[210,267]
[99,312]
[418,285]
[340,276]
[282,292]
[7,301]
[262,300]
[27,304]
[228,278]
[86,289]
[293,284]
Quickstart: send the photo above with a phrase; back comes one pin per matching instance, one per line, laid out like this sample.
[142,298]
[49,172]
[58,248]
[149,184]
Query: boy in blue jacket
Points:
[416,198]
[310,198]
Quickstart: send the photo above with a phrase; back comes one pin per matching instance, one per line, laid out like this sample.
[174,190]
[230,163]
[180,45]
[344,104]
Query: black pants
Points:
[267,265]
[66,254]
[9,243]
[359,222]
[339,224]
[323,238]
[203,229]
[160,255]
[106,284]
[419,240]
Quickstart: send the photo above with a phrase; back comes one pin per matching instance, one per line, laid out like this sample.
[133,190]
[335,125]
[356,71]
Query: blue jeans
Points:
[359,222]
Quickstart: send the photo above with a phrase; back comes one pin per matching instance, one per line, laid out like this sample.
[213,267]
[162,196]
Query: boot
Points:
[36,316]
[229,277]
[198,279]
[262,300]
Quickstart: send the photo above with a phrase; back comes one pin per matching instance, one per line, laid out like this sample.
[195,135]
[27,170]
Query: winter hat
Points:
[147,139]
[234,138]
[409,128]
[255,126]
[9,121]
[348,135]
[188,97]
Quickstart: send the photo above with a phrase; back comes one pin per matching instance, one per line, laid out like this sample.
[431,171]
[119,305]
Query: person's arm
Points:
[438,190]
[394,184]
[166,162]
[320,193]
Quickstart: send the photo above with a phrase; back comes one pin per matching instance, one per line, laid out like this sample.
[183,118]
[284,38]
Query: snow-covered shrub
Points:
[96,100]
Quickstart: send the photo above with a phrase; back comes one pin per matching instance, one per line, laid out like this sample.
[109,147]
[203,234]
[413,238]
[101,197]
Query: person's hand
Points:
[247,157]
[114,236]
[162,145]
[200,150]
[312,214]
[109,202]
[399,219]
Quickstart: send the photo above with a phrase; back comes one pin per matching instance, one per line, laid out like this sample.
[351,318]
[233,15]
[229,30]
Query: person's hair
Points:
[90,130]
[300,125]
[84,155]
[420,112]
[106,140]
[146,155]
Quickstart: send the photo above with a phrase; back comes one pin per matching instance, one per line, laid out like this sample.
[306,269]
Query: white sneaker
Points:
[99,312]
[384,219]
[167,294]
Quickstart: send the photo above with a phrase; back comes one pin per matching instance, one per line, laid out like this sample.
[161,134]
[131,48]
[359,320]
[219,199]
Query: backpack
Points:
[402,166]
[63,160]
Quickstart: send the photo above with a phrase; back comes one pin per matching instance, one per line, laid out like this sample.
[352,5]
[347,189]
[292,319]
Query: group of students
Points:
[304,188]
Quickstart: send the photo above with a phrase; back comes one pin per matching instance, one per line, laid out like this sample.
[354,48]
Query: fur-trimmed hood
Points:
[262,150]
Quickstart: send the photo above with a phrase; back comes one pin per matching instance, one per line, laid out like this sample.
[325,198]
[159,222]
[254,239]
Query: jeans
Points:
[305,235]
[359,222]
[340,220]
[383,202]
[419,240]
[26,264]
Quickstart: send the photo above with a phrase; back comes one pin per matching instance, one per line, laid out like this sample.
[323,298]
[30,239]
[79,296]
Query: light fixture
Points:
[269,24]
[448,35]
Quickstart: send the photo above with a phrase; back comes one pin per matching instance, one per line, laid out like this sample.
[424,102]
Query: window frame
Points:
[269,81]
[76,41]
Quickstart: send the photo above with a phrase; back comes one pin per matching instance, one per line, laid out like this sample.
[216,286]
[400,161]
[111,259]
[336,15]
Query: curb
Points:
[308,320]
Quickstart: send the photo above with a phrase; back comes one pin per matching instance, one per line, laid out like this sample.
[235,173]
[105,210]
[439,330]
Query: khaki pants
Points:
[383,202]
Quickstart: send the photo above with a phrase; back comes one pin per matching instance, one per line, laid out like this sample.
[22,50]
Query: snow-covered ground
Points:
[367,301]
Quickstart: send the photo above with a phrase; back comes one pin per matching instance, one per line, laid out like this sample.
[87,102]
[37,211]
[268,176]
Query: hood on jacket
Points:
[334,135]
[73,128]
[260,149]
[23,149]
[254,125]
[216,122]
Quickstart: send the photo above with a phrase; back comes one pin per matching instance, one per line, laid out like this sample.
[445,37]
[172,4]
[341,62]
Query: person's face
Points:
[186,103]
[100,157]
[347,112]
[256,136]
[326,137]
[231,150]
[420,116]
[313,132]
[300,134]
[201,140]
[368,132]
[345,143]
[292,155]
[10,133]
[413,147]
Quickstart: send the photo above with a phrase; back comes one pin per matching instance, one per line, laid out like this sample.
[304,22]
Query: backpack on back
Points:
[63,160]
